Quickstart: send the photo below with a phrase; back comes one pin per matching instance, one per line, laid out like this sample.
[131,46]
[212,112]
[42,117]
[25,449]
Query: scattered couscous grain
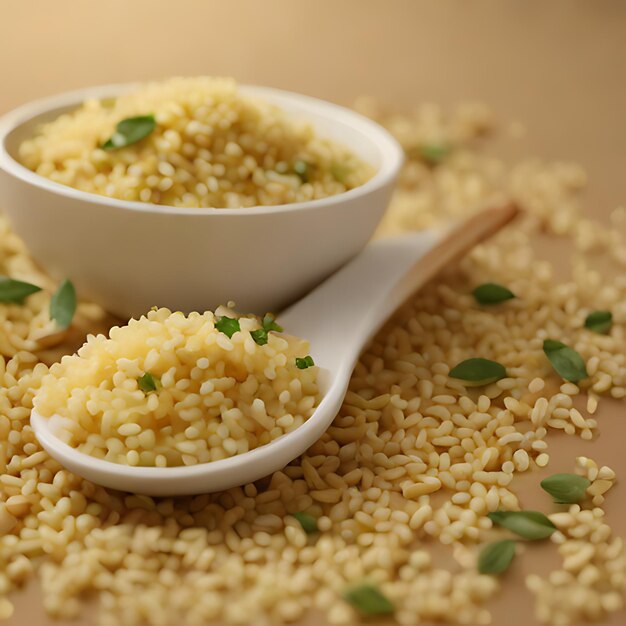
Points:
[413,457]
[592,578]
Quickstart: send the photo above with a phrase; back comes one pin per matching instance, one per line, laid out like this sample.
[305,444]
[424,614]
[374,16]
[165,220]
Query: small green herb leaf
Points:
[566,488]
[566,361]
[269,323]
[492,293]
[478,371]
[340,172]
[228,325]
[368,600]
[130,131]
[259,336]
[308,522]
[148,382]
[303,363]
[495,558]
[434,153]
[15,291]
[63,304]
[599,321]
[527,524]
[302,169]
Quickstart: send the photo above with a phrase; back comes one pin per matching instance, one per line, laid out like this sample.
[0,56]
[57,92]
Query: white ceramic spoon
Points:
[339,318]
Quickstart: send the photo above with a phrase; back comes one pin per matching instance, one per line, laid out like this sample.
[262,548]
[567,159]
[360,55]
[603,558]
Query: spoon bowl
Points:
[339,318]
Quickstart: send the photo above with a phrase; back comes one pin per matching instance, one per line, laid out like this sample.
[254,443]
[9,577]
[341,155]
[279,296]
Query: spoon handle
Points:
[343,313]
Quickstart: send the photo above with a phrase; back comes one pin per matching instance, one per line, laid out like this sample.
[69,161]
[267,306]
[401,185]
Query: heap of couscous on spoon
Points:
[170,389]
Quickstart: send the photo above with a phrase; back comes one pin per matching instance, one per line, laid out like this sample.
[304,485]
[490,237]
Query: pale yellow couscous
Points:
[170,389]
[391,510]
[192,142]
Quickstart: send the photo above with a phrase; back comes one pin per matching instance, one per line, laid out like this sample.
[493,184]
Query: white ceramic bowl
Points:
[129,256]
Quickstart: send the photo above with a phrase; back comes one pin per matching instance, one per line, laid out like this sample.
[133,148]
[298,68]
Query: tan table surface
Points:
[559,67]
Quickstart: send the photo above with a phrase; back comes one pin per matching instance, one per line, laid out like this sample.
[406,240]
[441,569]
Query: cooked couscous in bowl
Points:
[192,142]
[169,389]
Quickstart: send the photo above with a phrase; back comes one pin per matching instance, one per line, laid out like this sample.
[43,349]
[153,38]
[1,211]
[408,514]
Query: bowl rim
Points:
[391,153]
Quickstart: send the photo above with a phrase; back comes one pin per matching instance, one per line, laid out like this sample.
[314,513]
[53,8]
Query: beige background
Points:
[558,66]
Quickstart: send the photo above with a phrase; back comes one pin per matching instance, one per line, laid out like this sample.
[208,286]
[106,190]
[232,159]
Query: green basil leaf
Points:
[527,524]
[269,323]
[308,522]
[302,169]
[63,304]
[228,325]
[566,488]
[15,291]
[566,361]
[130,131]
[368,600]
[478,371]
[305,362]
[495,558]
[434,154]
[148,383]
[259,336]
[599,321]
[492,293]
